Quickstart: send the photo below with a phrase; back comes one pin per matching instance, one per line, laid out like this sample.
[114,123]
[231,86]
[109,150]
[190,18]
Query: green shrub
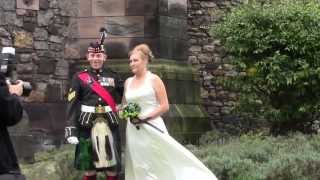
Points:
[252,157]
[275,48]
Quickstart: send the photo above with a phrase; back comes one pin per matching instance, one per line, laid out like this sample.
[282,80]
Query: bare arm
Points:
[162,98]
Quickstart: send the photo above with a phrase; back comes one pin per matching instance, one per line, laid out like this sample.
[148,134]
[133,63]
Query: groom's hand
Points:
[70,135]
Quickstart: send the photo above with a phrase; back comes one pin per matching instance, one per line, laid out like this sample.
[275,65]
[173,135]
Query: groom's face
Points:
[96,60]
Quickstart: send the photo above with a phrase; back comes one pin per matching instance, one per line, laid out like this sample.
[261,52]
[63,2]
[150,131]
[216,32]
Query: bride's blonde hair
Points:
[145,51]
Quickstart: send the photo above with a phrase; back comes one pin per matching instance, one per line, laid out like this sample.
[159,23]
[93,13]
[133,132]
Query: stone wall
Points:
[39,30]
[173,29]
[128,22]
[207,54]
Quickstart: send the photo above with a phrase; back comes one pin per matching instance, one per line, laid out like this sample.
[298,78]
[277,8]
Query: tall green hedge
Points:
[275,48]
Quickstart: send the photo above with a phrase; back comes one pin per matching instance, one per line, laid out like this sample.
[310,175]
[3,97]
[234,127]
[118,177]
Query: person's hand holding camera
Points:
[17,88]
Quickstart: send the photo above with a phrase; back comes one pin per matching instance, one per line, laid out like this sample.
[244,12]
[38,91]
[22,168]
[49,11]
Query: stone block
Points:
[28,4]
[44,17]
[151,26]
[163,7]
[71,51]
[2,18]
[108,8]
[40,34]
[205,58]
[165,48]
[30,27]
[69,8]
[186,122]
[180,48]
[174,49]
[25,68]
[41,45]
[30,19]
[89,27]
[141,7]
[62,70]
[24,58]
[172,91]
[177,8]
[42,53]
[5,42]
[49,117]
[173,27]
[57,55]
[44,4]
[71,29]
[192,89]
[10,18]
[23,39]
[8,5]
[135,7]
[126,26]
[4,33]
[84,9]
[118,48]
[56,47]
[46,66]
[181,92]
[56,39]
[53,93]
[151,7]
[56,29]
[54,4]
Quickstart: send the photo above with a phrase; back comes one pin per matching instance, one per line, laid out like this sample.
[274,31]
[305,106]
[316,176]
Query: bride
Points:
[151,153]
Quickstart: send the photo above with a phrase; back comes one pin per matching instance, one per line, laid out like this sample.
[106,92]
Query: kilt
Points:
[85,153]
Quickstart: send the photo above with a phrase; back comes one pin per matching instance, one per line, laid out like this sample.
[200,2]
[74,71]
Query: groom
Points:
[92,118]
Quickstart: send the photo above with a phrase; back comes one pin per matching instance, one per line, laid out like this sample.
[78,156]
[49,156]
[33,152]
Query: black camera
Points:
[8,65]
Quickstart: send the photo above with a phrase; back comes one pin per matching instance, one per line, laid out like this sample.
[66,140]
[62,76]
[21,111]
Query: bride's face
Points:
[136,62]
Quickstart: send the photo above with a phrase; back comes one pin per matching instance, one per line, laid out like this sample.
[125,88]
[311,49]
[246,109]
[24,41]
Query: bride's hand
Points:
[135,121]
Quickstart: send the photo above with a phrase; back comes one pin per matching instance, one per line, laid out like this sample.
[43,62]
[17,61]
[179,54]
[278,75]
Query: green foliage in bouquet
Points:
[131,111]
[275,49]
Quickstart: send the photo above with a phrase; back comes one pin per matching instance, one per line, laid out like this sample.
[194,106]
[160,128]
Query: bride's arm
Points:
[161,96]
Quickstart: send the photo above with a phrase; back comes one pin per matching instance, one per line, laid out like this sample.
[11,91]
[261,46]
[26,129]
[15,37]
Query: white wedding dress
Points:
[154,155]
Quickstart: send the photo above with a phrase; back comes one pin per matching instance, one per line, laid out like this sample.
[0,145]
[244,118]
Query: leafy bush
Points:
[275,48]
[252,157]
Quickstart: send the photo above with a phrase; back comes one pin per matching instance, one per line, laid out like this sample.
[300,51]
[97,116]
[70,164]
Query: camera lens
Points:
[27,88]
